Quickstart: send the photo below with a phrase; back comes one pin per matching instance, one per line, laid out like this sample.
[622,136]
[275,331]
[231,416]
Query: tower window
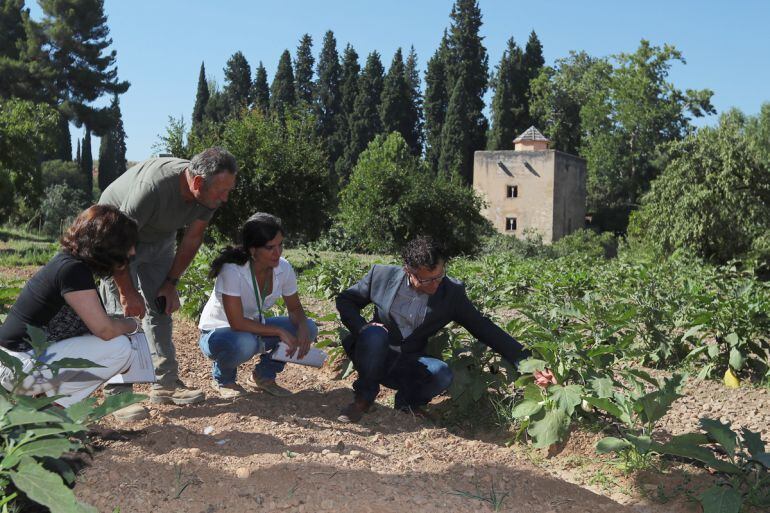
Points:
[510,224]
[512,191]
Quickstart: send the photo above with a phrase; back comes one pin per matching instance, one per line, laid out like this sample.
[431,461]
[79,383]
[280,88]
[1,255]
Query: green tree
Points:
[532,63]
[61,172]
[27,130]
[365,122]
[25,71]
[629,122]
[282,171]
[303,70]
[436,101]
[508,110]
[392,196]
[713,198]
[77,38]
[282,95]
[63,139]
[176,140]
[237,83]
[559,93]
[468,66]
[12,32]
[112,150]
[413,115]
[394,106]
[328,113]
[348,92]
[201,100]
[87,165]
[260,92]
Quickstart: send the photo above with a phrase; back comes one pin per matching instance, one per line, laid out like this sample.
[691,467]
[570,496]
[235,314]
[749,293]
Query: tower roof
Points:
[531,134]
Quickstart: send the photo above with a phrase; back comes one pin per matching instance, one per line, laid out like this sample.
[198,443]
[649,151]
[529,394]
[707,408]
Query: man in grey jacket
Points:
[411,303]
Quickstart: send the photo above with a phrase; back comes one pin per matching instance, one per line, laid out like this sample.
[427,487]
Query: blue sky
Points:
[160,44]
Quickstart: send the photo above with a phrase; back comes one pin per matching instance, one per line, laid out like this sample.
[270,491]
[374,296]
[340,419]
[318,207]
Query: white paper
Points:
[314,358]
[141,370]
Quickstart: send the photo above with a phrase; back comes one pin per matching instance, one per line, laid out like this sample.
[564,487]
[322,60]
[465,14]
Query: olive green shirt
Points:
[150,193]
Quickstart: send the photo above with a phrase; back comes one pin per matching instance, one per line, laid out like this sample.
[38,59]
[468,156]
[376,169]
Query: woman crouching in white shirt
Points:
[250,279]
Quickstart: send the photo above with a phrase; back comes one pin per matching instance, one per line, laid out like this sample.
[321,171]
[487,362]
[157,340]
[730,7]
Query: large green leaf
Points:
[525,408]
[37,340]
[20,416]
[550,429]
[53,447]
[531,365]
[602,386]
[5,404]
[753,442]
[733,339]
[682,447]
[46,488]
[737,358]
[566,397]
[721,499]
[641,443]
[762,458]
[721,433]
[610,407]
[79,411]
[612,444]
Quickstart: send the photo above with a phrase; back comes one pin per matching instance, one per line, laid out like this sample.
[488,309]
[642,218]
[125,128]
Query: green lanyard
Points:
[258,293]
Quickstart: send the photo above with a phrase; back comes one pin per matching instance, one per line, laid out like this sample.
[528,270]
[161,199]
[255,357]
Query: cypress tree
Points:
[365,122]
[467,65]
[201,100]
[436,101]
[303,70]
[237,83]
[282,95]
[508,105]
[112,151]
[107,171]
[395,98]
[532,63]
[76,32]
[87,165]
[457,151]
[348,91]
[414,105]
[327,98]
[260,91]
[63,139]
[78,159]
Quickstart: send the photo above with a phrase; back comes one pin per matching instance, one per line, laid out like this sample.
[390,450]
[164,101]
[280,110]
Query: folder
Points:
[141,370]
[314,358]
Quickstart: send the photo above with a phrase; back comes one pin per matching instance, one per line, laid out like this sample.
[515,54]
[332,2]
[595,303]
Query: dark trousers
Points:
[417,379]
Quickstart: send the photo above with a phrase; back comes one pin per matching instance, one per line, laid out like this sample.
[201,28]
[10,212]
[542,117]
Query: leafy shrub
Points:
[586,243]
[60,206]
[55,172]
[393,197]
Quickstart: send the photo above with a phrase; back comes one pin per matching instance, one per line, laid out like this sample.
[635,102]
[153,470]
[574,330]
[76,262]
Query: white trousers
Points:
[114,356]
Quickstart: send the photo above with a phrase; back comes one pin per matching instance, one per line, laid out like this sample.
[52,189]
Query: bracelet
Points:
[138,326]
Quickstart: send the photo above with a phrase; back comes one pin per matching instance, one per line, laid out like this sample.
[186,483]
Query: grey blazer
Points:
[449,303]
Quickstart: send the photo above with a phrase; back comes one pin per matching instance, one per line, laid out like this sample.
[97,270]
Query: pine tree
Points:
[303,70]
[328,100]
[201,99]
[237,83]
[77,34]
[260,91]
[12,33]
[348,91]
[436,102]
[468,66]
[87,165]
[365,122]
[508,104]
[282,95]
[414,106]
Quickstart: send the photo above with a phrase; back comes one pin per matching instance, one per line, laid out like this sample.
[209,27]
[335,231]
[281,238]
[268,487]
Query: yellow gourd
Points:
[731,380]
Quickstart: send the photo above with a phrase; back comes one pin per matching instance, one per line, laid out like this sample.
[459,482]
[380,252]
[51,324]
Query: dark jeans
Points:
[416,379]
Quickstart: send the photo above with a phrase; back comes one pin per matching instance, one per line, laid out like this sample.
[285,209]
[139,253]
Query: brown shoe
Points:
[354,411]
[421,412]
[178,393]
[269,386]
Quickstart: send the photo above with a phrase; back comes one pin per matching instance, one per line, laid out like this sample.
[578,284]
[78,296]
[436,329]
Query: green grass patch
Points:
[19,247]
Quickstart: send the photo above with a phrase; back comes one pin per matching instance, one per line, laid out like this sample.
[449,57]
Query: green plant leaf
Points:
[115,402]
[721,433]
[721,499]
[531,365]
[46,488]
[37,339]
[53,447]
[11,362]
[641,443]
[762,458]
[79,411]
[737,358]
[684,448]
[733,339]
[602,386]
[566,397]
[20,416]
[612,444]
[753,442]
[525,408]
[550,429]
[533,392]
[610,407]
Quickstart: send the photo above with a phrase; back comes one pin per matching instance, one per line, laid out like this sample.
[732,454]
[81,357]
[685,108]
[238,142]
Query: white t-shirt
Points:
[235,280]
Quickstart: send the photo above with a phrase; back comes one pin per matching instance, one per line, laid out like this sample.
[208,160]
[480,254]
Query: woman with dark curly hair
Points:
[100,241]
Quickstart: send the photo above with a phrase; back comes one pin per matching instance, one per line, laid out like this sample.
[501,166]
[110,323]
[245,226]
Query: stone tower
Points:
[532,188]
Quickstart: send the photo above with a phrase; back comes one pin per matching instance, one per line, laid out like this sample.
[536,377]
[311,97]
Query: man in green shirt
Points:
[164,195]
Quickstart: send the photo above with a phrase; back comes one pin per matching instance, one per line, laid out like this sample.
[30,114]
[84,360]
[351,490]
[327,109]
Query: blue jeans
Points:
[229,348]
[416,379]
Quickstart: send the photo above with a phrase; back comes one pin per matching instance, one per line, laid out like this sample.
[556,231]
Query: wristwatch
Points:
[173,281]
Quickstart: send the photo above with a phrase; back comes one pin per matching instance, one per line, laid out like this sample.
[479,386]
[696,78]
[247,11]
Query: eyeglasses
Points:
[427,280]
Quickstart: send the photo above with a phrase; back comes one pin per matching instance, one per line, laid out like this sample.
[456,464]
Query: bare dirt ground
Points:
[261,453]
